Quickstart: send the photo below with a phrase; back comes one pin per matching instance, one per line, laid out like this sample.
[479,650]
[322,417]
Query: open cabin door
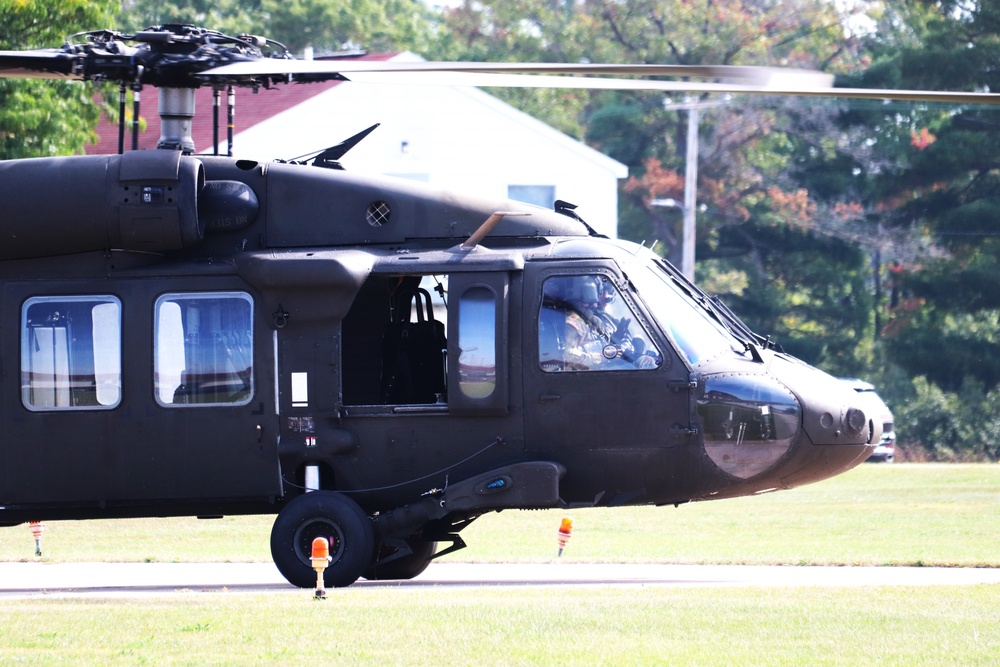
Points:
[426,390]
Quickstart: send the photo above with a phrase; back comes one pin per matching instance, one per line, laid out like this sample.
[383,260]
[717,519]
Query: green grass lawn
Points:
[515,626]
[876,514]
[899,514]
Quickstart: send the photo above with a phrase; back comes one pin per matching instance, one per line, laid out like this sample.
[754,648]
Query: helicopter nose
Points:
[790,425]
[750,422]
[832,412]
[839,432]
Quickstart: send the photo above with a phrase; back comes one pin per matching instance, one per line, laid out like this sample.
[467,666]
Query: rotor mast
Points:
[176,108]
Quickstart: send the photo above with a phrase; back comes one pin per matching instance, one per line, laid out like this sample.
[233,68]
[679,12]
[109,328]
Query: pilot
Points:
[578,329]
[586,323]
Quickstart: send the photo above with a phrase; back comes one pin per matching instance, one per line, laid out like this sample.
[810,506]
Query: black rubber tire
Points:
[407,567]
[322,514]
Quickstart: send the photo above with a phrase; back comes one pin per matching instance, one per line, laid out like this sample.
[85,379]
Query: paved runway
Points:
[20,580]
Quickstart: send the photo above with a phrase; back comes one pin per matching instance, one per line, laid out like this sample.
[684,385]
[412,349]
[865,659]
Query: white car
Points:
[886,449]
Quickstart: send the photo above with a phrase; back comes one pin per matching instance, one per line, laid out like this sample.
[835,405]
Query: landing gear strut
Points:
[404,567]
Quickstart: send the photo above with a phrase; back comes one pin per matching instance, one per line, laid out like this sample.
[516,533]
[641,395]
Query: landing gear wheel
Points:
[322,514]
[406,567]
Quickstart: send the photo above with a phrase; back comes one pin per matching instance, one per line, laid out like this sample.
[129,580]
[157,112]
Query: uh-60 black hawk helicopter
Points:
[373,361]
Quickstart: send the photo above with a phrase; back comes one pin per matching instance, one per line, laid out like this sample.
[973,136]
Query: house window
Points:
[539,195]
[203,349]
[420,178]
[71,353]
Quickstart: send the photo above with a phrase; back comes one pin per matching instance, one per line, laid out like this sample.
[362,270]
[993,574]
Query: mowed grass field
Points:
[898,514]
[914,514]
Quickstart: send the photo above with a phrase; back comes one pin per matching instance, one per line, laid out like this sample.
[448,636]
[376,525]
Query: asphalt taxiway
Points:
[39,579]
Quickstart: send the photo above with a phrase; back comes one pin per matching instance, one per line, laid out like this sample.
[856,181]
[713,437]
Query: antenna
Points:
[487,227]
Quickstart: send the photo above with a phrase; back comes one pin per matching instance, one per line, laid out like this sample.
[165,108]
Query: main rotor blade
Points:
[315,68]
[776,87]
[748,80]
[54,64]
[37,65]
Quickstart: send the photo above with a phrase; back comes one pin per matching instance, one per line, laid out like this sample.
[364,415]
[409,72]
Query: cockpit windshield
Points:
[698,335]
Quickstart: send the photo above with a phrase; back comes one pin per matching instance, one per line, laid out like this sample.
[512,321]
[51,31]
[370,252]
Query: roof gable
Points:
[251,108]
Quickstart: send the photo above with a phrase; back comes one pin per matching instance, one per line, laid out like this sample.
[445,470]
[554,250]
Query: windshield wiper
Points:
[722,314]
[740,330]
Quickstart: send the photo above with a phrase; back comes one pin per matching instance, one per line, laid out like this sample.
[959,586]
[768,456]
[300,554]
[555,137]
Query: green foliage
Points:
[229,16]
[808,292]
[35,24]
[324,25]
[930,170]
[39,118]
[617,126]
[949,346]
[949,426]
[46,117]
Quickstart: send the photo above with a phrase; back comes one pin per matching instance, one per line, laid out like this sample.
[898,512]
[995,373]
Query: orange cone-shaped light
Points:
[320,559]
[320,549]
[36,530]
[565,532]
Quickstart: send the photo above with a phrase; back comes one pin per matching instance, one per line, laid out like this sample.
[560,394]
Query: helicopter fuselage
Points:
[204,336]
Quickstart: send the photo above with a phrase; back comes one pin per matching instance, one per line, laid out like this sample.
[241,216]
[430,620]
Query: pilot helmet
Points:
[588,290]
[606,291]
[554,290]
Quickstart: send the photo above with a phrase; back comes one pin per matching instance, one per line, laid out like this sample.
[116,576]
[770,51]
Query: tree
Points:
[762,239]
[936,176]
[40,118]
[759,231]
[227,16]
[923,179]
[324,25]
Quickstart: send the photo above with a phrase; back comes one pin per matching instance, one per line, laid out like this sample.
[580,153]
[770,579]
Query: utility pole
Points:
[690,206]
[690,193]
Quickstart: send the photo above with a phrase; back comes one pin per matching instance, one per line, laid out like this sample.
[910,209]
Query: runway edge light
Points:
[320,559]
[36,530]
[565,532]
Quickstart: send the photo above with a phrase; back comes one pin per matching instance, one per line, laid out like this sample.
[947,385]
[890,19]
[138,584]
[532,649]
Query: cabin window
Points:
[203,349]
[71,353]
[584,324]
[477,358]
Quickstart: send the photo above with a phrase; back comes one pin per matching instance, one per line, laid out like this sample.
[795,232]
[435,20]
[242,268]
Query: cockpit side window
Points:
[584,324]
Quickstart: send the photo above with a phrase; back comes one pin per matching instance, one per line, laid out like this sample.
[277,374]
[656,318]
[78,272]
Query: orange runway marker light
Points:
[565,532]
[36,530]
[320,559]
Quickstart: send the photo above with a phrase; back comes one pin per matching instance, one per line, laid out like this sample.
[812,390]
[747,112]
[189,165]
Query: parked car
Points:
[886,449]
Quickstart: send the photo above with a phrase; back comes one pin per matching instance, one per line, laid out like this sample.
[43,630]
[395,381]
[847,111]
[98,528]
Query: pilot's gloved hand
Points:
[646,361]
[622,331]
[598,325]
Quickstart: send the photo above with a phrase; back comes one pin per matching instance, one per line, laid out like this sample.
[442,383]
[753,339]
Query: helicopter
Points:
[373,361]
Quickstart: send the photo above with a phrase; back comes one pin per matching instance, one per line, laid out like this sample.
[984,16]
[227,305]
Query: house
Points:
[456,138]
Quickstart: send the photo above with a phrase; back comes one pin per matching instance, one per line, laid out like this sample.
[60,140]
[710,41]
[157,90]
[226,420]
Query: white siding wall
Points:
[456,138]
